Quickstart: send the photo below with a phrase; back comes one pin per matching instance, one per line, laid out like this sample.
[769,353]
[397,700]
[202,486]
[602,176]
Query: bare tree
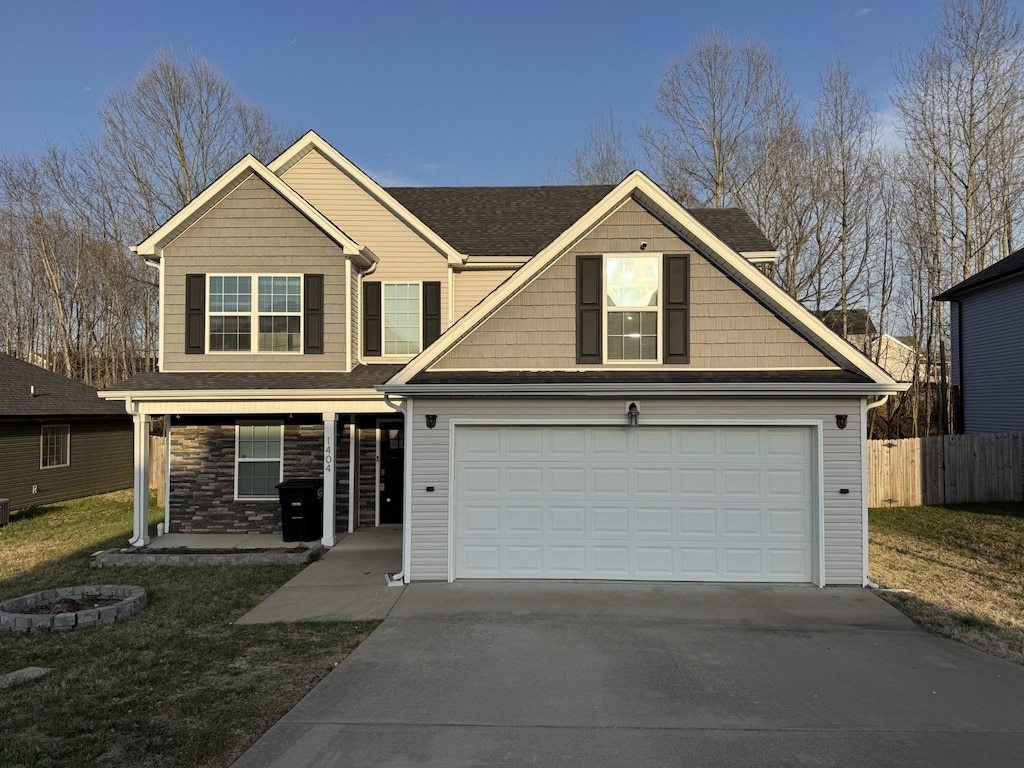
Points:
[707,108]
[604,157]
[169,135]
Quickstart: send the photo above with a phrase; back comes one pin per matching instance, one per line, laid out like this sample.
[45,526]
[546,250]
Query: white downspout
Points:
[867,582]
[400,578]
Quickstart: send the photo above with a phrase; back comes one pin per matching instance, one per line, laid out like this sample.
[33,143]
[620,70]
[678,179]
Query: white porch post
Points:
[140,532]
[330,484]
[353,471]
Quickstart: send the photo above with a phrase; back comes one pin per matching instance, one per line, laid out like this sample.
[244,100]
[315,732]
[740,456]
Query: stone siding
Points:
[202,482]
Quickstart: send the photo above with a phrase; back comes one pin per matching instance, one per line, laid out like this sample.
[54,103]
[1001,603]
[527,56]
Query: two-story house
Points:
[535,382]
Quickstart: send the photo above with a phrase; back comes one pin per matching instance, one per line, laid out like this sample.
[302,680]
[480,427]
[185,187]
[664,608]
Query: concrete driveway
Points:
[564,674]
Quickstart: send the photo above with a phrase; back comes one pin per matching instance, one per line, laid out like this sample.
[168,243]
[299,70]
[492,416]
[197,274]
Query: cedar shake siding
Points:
[203,477]
[100,460]
[253,231]
[536,329]
[405,257]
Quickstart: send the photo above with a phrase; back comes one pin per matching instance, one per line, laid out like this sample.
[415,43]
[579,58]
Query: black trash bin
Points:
[302,508]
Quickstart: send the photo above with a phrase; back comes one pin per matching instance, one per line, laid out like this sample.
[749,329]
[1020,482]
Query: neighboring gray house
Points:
[58,440]
[534,382]
[986,318]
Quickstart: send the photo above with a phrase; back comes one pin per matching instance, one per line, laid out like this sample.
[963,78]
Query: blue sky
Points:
[429,93]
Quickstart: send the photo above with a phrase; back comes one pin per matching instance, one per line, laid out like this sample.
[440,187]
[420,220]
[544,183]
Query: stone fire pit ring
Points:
[115,602]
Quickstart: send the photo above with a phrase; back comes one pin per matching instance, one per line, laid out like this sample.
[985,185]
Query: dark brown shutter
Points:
[195,314]
[589,325]
[313,316]
[677,309]
[371,319]
[431,313]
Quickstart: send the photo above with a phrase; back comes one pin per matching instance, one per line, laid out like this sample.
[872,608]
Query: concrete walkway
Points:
[611,675]
[347,584]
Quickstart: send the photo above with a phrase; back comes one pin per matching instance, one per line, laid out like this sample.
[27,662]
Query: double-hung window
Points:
[55,446]
[632,310]
[402,330]
[258,452]
[275,312]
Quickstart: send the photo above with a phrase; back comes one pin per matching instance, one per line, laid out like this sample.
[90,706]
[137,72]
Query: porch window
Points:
[55,446]
[258,467]
[632,309]
[276,313]
[402,318]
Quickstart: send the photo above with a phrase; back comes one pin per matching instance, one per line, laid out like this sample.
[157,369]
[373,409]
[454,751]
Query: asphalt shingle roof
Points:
[734,227]
[1011,265]
[55,395]
[362,377]
[521,221]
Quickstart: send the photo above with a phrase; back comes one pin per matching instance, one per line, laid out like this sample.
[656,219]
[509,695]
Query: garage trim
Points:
[818,450]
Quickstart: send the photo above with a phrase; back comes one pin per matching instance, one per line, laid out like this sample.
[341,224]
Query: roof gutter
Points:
[584,389]
[240,394]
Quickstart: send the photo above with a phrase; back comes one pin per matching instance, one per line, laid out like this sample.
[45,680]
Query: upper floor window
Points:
[55,446]
[402,334]
[632,309]
[275,312]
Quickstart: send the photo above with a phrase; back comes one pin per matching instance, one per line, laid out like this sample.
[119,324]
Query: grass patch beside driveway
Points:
[963,567]
[178,685]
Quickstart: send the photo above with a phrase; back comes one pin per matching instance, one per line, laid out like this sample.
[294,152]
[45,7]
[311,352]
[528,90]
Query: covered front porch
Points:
[223,462]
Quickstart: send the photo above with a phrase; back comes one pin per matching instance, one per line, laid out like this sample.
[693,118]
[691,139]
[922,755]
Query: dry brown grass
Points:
[963,567]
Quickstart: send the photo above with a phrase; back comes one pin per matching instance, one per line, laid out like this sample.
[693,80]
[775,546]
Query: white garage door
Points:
[649,503]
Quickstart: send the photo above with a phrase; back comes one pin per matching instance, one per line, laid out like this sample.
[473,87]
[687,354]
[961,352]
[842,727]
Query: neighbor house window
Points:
[275,311]
[632,310]
[258,451]
[55,446]
[402,333]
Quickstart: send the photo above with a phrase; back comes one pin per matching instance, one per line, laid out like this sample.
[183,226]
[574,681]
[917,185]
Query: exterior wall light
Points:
[431,420]
[632,415]
[841,420]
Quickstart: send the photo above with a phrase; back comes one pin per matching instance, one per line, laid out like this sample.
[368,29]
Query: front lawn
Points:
[963,568]
[180,684]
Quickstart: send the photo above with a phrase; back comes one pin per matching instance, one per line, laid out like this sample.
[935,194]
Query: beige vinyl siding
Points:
[404,255]
[537,328]
[253,231]
[472,286]
[842,451]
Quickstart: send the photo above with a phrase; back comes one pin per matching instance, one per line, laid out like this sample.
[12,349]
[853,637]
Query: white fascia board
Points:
[581,389]
[219,395]
[760,257]
[312,140]
[232,178]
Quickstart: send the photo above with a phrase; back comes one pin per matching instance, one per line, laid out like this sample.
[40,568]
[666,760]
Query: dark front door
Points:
[392,471]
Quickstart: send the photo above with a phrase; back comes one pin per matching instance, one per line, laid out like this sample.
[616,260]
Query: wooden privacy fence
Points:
[951,469]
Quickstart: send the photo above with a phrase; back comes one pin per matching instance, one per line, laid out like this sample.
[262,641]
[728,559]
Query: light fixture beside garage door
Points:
[841,420]
[632,415]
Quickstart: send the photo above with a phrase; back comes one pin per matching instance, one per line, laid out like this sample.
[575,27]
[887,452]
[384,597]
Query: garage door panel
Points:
[653,521]
[567,520]
[613,481]
[676,503]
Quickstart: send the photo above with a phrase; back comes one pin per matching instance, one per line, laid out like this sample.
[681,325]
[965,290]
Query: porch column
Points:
[330,483]
[353,471]
[140,529]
